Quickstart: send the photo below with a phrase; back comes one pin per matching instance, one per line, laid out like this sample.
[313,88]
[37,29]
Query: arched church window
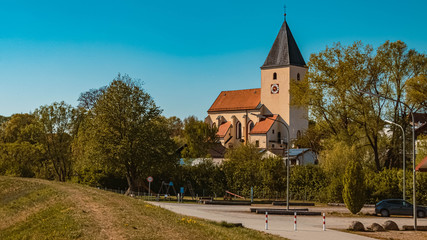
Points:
[298,134]
[279,136]
[274,76]
[298,77]
[238,130]
[251,125]
[214,125]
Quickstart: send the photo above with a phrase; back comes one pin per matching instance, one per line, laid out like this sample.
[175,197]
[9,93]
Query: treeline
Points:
[116,137]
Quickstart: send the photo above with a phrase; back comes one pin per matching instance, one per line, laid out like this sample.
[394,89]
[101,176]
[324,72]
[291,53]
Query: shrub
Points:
[383,185]
[354,187]
[334,190]
[307,183]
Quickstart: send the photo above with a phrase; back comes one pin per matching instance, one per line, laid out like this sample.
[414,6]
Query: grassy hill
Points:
[40,209]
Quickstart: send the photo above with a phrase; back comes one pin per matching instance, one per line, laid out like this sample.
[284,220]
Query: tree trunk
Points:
[376,156]
[131,179]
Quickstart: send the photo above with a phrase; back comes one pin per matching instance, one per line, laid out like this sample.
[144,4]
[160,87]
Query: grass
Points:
[39,209]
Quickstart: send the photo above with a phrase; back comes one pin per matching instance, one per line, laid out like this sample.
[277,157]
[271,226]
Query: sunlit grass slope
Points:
[39,209]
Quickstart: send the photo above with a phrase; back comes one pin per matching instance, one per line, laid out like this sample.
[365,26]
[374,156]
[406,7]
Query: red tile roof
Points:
[422,166]
[223,128]
[264,125]
[237,100]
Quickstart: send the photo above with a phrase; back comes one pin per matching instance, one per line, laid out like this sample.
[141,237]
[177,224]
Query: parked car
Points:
[389,207]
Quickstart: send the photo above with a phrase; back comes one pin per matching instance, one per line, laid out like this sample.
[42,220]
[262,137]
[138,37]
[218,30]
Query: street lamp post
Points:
[413,153]
[403,154]
[287,157]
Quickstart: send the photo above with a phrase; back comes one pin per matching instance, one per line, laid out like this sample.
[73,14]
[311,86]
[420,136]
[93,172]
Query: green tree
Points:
[241,168]
[198,137]
[272,176]
[3,119]
[21,154]
[385,184]
[206,177]
[313,136]
[22,159]
[333,161]
[177,128]
[131,136]
[56,124]
[333,86]
[354,186]
[416,93]
[89,166]
[245,167]
[88,99]
[397,65]
[20,128]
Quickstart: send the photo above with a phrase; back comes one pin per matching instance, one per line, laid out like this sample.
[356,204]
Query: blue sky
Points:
[185,52]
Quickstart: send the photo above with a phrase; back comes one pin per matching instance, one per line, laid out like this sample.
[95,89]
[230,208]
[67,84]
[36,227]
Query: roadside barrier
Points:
[295,221]
[324,222]
[266,220]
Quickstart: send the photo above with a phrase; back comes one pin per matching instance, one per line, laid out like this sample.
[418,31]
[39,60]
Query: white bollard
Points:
[295,221]
[266,220]
[324,222]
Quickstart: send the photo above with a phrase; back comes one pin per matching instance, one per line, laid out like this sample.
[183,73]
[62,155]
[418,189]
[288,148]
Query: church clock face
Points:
[274,88]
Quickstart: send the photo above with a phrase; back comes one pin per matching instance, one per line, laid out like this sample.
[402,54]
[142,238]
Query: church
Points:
[264,116]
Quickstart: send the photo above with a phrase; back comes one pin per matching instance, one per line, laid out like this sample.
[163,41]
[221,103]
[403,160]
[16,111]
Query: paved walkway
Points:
[309,227]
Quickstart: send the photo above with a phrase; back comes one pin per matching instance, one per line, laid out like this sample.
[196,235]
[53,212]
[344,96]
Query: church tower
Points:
[284,62]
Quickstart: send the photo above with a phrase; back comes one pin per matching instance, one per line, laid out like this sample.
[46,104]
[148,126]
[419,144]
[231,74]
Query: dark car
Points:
[398,207]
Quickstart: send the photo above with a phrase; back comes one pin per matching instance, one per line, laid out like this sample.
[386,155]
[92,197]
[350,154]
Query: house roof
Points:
[237,100]
[284,51]
[264,125]
[297,151]
[217,150]
[293,153]
[422,166]
[223,128]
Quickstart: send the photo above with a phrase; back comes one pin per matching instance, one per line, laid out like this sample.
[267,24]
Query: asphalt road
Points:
[308,227]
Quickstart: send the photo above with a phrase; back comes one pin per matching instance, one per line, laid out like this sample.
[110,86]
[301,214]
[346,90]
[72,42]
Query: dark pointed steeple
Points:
[285,50]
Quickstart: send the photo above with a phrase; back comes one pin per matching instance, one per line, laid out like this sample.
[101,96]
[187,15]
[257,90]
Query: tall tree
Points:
[56,124]
[177,128]
[21,153]
[88,99]
[333,86]
[3,119]
[416,93]
[199,137]
[130,134]
[397,66]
